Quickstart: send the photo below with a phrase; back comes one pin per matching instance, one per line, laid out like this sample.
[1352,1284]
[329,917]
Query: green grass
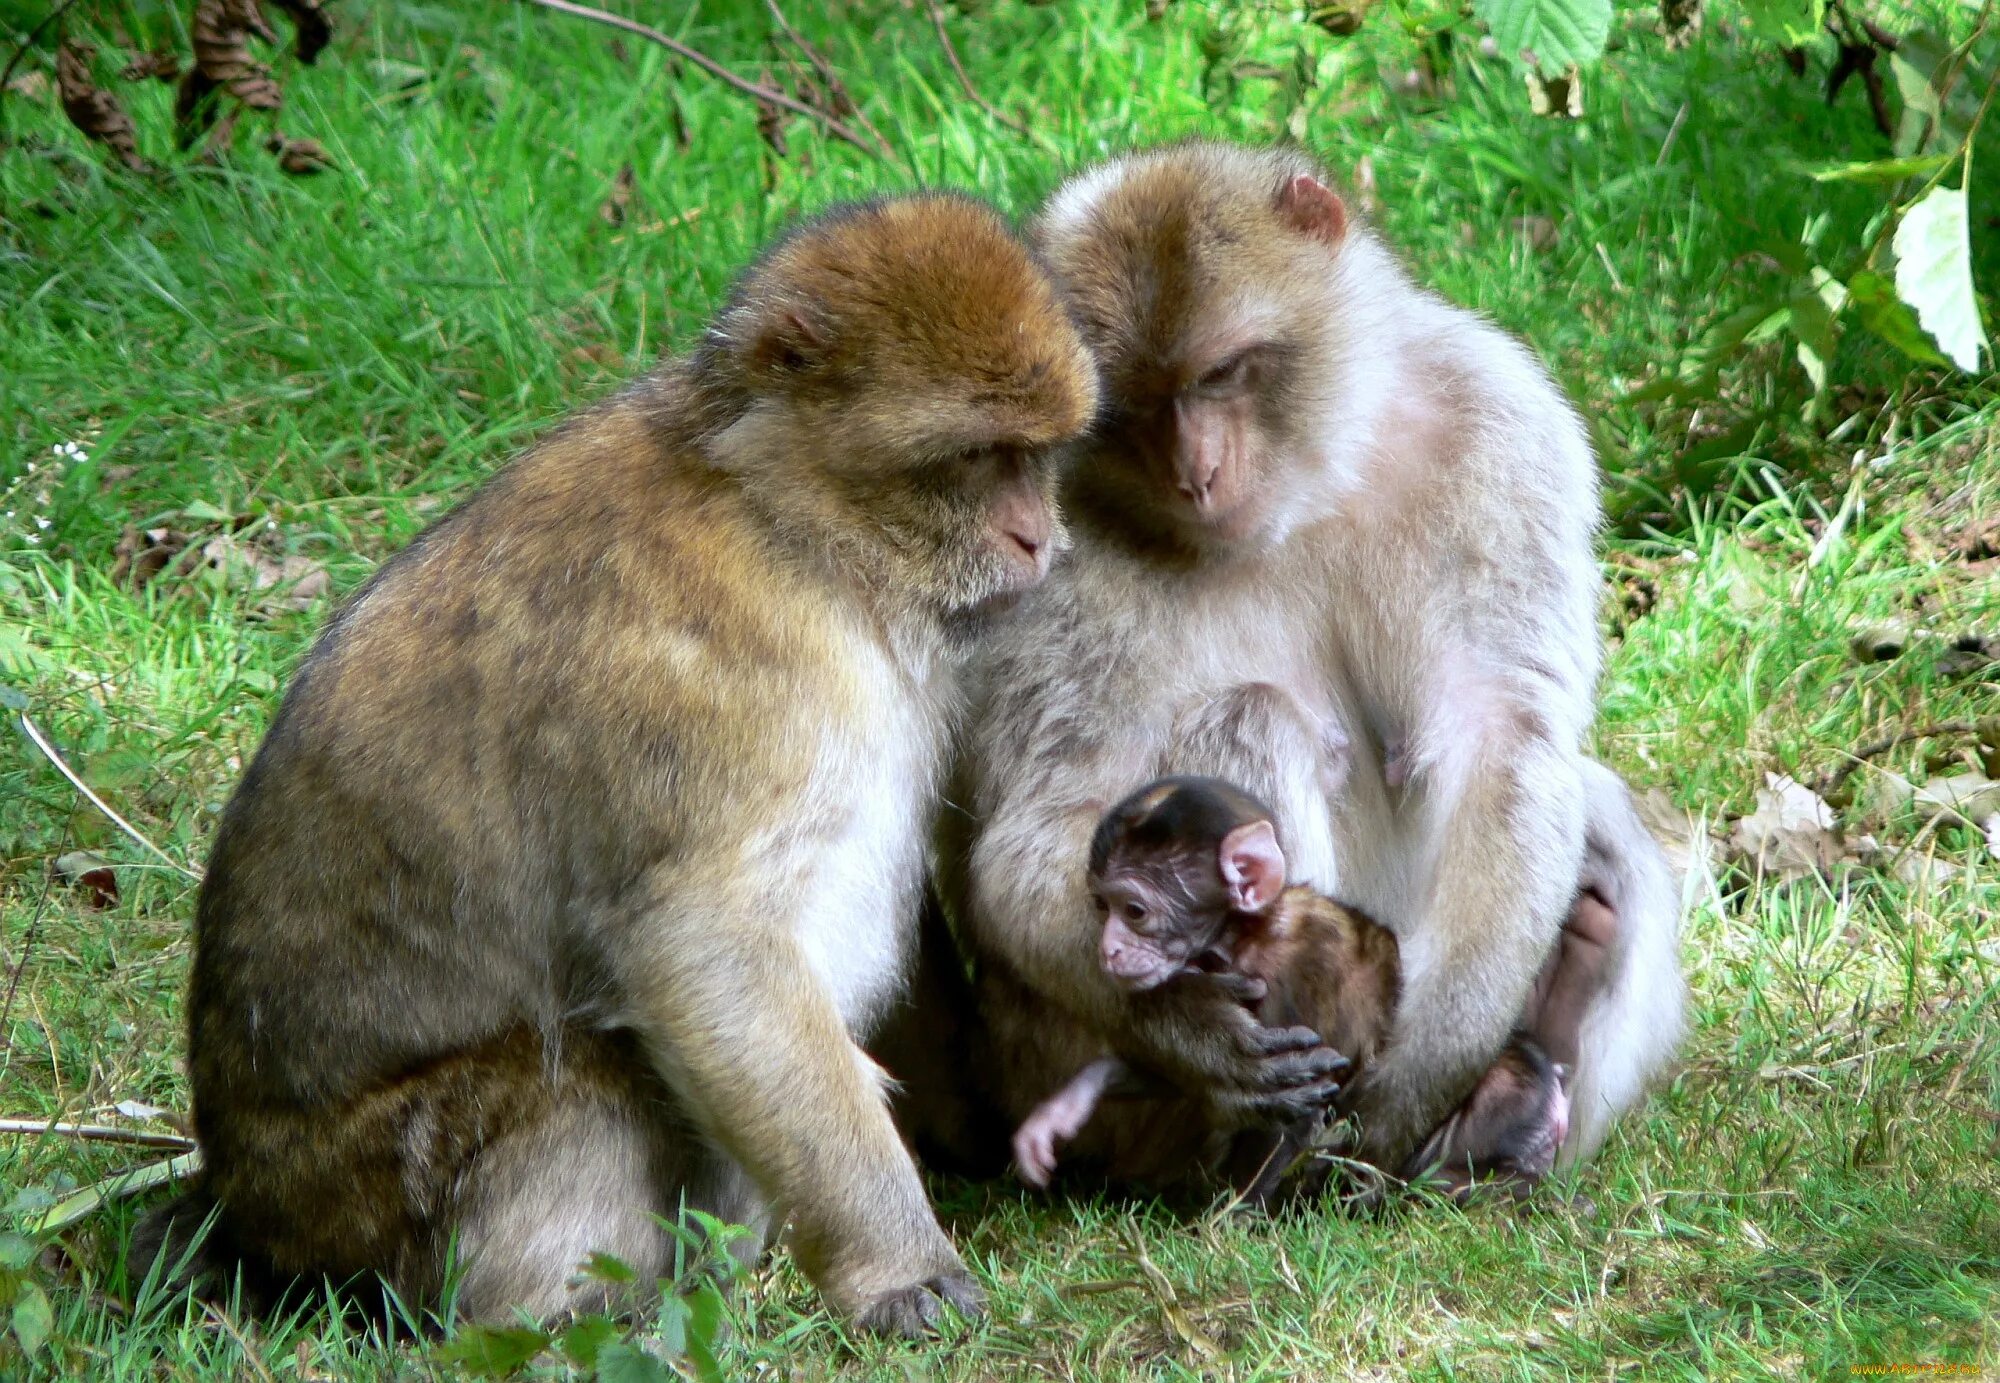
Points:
[333,359]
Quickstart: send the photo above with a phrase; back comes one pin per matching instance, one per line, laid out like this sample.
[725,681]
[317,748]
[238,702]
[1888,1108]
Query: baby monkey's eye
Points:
[1135,912]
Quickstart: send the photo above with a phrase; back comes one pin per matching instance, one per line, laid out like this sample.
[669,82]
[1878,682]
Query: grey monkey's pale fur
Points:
[1421,576]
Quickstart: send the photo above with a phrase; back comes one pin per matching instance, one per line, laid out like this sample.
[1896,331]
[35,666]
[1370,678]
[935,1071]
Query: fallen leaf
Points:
[1538,231]
[1972,796]
[617,205]
[93,110]
[142,555]
[1673,826]
[1880,643]
[91,874]
[135,1109]
[1991,828]
[30,86]
[1790,835]
[295,582]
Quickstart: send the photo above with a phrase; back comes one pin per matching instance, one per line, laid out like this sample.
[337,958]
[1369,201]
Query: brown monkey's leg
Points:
[517,1159]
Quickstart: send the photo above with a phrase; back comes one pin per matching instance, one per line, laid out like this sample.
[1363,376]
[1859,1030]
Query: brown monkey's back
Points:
[427,811]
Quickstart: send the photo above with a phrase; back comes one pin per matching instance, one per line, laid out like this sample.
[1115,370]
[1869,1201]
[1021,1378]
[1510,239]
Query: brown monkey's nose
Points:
[1198,478]
[1029,542]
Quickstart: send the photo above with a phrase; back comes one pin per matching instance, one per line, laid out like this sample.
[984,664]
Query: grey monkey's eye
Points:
[1230,372]
[1135,912]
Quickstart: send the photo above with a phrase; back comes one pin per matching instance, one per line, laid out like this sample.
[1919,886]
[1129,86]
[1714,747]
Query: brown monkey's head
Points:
[1211,281]
[897,378]
[1170,866]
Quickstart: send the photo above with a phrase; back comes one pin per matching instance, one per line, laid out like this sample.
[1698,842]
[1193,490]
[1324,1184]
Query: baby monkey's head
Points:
[1170,867]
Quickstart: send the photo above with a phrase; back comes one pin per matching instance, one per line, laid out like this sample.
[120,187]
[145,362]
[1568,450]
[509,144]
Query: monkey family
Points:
[587,854]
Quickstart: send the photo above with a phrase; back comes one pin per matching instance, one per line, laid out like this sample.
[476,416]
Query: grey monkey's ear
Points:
[1312,208]
[1252,866]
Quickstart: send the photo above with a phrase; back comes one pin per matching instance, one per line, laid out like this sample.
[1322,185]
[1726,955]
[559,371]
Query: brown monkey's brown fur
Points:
[589,838]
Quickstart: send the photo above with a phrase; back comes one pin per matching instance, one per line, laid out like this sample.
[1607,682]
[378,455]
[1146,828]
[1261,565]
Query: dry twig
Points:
[965,78]
[756,91]
[836,90]
[1832,780]
[41,742]
[98,1133]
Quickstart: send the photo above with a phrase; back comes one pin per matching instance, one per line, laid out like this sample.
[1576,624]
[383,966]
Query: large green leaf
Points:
[1548,35]
[1791,22]
[1934,274]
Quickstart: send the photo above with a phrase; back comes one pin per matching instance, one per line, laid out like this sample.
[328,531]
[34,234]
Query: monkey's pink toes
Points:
[1035,1159]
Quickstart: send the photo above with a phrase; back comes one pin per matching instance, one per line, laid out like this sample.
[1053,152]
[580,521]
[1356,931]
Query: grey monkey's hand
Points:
[1199,1030]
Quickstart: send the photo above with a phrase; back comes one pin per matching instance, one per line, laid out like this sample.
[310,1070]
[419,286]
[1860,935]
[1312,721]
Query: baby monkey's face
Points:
[1155,924]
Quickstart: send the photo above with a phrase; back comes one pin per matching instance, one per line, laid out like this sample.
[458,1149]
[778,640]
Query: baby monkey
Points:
[1187,875]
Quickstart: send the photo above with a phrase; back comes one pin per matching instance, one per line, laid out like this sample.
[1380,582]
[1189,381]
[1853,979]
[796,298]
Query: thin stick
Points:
[828,78]
[229,1328]
[70,1209]
[49,752]
[28,939]
[98,1133]
[1830,781]
[755,90]
[7,72]
[964,80]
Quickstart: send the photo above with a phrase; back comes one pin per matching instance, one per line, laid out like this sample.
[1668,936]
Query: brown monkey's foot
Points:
[1572,977]
[913,1312]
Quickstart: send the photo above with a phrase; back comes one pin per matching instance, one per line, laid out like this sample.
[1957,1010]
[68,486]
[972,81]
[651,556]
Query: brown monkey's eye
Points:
[1135,912]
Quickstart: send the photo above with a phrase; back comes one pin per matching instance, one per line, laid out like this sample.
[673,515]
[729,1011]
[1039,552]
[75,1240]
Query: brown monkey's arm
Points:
[747,1033]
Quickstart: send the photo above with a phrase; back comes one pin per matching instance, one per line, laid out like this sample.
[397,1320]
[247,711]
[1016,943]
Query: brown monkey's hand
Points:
[1199,1030]
[913,1312]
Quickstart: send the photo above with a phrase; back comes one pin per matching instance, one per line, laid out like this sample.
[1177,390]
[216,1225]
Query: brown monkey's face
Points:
[1198,274]
[913,374]
[1153,928]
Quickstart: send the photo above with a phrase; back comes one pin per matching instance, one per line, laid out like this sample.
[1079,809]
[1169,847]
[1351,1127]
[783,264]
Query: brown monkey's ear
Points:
[1253,866]
[1312,208]
[791,341]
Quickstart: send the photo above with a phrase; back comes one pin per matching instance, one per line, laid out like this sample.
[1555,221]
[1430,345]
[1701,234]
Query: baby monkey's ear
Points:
[1252,866]
[792,339]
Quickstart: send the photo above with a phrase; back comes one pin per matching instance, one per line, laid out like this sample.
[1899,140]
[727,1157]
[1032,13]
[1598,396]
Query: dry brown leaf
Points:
[299,156]
[142,555]
[1673,826]
[617,204]
[1792,833]
[93,110]
[162,66]
[91,875]
[1680,22]
[222,30]
[311,29]
[30,86]
[294,582]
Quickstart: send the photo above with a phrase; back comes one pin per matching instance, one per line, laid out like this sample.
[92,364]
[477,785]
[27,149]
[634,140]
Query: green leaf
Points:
[1548,35]
[1790,22]
[1889,317]
[706,1313]
[1934,274]
[34,1321]
[1813,324]
[585,1340]
[15,1251]
[1883,170]
[494,1351]
[606,1268]
[624,1362]
[12,700]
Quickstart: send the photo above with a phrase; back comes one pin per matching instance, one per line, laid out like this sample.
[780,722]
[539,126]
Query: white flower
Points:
[41,522]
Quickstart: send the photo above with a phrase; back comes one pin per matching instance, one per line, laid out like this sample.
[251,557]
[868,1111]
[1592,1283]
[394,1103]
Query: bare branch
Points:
[837,128]
[964,79]
[836,90]
[98,1133]
[41,742]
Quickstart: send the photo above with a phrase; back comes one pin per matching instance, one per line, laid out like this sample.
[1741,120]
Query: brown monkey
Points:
[589,840]
[1316,492]
[1186,875]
